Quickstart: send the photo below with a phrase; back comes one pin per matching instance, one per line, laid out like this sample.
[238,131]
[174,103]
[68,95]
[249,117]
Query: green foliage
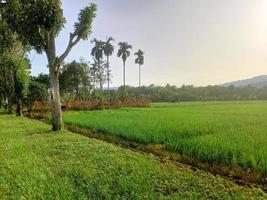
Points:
[108,48]
[22,77]
[7,39]
[37,92]
[14,77]
[84,25]
[140,57]
[231,133]
[99,67]
[31,20]
[42,79]
[14,71]
[35,164]
[98,49]
[75,79]
[124,50]
[170,93]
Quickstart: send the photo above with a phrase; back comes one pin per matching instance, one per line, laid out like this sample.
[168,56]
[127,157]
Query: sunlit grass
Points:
[232,133]
[36,163]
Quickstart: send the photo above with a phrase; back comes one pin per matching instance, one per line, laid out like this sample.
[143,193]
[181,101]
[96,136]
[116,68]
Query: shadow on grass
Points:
[2,112]
[44,132]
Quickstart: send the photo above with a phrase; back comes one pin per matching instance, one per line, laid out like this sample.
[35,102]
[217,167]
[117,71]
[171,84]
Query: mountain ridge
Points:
[256,81]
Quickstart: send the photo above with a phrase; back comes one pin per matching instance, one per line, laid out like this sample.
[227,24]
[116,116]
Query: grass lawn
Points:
[37,164]
[231,133]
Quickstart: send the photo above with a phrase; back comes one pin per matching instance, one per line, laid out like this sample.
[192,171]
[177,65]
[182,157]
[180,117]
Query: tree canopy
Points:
[140,57]
[75,79]
[37,24]
[124,50]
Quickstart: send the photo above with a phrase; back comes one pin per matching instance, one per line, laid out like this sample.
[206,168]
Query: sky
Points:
[185,41]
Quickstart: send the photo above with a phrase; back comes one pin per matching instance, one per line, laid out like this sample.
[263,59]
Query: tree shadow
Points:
[45,132]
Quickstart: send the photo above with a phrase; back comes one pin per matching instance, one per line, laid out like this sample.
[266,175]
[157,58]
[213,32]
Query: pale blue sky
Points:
[196,42]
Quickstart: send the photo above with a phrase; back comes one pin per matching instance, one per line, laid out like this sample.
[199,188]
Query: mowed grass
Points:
[231,133]
[38,164]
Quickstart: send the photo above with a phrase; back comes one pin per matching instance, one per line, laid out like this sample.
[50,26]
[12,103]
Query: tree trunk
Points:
[19,108]
[124,74]
[124,88]
[30,110]
[54,83]
[9,106]
[139,76]
[55,100]
[108,83]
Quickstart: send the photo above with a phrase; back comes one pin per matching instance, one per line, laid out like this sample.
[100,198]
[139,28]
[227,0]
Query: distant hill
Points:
[257,81]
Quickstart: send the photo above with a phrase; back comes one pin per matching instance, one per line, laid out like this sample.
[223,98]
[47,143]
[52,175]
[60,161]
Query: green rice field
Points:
[231,133]
[35,164]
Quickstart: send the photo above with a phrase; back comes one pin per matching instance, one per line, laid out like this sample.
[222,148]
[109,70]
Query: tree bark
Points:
[139,76]
[9,105]
[54,83]
[19,108]
[124,88]
[55,100]
[124,74]
[108,83]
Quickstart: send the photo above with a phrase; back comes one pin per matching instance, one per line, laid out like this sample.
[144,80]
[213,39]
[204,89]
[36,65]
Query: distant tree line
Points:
[76,83]
[171,93]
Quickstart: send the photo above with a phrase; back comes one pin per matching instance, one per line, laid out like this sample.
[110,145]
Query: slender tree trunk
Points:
[139,76]
[124,74]
[54,83]
[94,84]
[30,110]
[19,108]
[124,89]
[108,82]
[9,105]
[101,80]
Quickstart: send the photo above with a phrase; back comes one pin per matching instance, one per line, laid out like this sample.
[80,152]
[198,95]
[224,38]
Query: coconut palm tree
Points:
[108,51]
[124,53]
[140,61]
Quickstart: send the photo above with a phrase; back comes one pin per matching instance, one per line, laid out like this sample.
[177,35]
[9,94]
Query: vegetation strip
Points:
[233,173]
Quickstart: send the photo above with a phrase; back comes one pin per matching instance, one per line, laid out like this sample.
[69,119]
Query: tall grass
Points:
[232,133]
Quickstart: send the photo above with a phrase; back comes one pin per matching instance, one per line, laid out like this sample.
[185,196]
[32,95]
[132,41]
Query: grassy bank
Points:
[37,164]
[231,133]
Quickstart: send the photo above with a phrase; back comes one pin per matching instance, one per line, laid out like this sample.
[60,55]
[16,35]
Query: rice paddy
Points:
[231,133]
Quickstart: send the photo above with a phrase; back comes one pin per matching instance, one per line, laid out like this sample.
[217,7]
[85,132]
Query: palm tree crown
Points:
[108,48]
[98,49]
[124,50]
[140,57]
[140,61]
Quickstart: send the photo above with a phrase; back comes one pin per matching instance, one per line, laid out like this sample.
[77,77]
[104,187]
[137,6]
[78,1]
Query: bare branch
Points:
[72,43]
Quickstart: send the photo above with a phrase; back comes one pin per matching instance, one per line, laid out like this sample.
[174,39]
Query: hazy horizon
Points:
[185,41]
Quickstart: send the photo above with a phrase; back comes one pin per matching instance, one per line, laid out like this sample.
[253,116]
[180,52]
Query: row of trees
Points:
[170,93]
[101,69]
[15,68]
[73,85]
